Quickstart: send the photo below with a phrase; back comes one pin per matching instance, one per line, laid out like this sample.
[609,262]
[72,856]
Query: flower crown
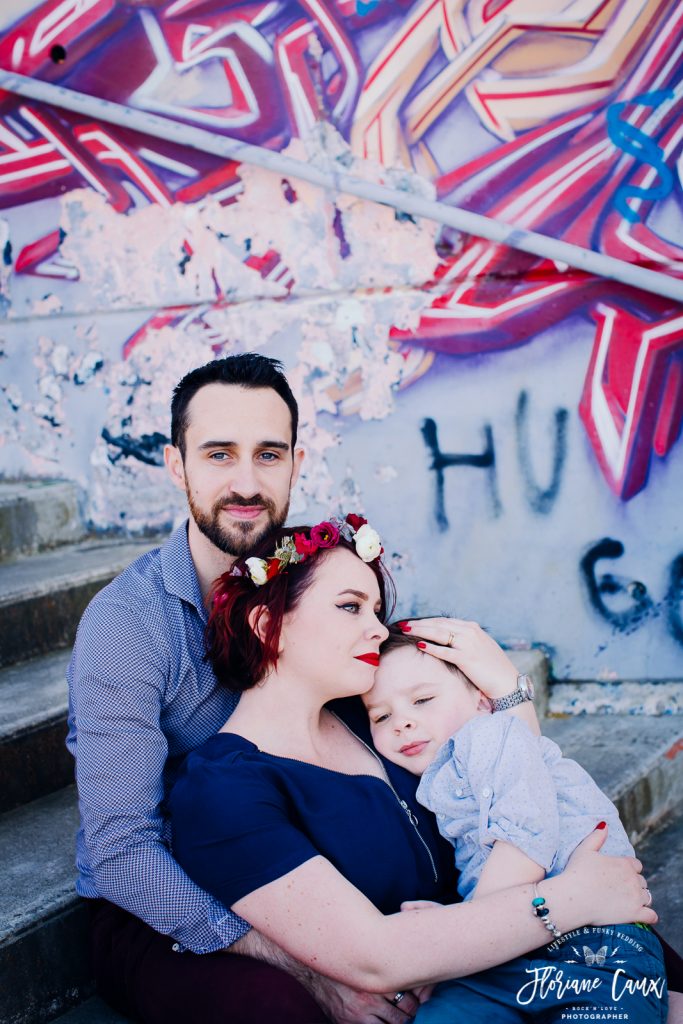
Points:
[299,547]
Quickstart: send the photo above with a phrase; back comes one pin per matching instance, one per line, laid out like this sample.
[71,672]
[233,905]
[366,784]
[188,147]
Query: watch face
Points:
[526,686]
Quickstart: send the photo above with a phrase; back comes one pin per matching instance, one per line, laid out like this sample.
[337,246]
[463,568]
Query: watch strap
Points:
[511,700]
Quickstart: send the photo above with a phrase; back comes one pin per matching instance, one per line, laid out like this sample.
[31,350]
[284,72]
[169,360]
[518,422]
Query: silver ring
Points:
[397,998]
[451,638]
[649,898]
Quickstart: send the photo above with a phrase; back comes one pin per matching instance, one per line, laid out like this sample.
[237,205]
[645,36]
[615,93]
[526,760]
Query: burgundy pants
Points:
[138,974]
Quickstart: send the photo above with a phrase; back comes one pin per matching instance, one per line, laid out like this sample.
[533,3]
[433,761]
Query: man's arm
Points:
[342,1004]
[117,680]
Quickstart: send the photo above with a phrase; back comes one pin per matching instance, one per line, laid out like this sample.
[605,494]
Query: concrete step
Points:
[636,759]
[43,951]
[33,707]
[43,597]
[616,697]
[662,855]
[42,924]
[38,514]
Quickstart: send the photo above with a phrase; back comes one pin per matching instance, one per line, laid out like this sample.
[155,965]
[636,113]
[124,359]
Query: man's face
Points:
[239,466]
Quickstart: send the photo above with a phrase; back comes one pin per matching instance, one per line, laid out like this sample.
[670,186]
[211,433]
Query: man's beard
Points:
[241,538]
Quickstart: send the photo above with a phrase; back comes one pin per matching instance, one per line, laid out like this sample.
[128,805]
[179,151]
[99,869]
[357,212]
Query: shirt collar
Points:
[178,571]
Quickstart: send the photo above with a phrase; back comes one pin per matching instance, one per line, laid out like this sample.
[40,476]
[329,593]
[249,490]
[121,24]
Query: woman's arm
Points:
[323,921]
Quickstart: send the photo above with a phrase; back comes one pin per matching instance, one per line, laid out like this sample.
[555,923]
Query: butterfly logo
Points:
[591,959]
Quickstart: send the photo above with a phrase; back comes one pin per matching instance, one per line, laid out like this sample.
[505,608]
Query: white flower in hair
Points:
[368,543]
[258,570]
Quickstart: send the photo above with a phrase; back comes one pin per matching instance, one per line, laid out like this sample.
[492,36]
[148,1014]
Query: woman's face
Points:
[331,639]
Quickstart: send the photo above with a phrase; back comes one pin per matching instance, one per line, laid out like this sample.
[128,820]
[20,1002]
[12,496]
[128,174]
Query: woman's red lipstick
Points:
[370,659]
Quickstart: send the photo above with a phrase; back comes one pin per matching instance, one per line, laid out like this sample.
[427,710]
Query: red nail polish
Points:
[404,627]
[601,825]
[421,645]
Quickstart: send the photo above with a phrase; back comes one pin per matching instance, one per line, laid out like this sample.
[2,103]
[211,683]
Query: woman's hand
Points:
[612,889]
[468,646]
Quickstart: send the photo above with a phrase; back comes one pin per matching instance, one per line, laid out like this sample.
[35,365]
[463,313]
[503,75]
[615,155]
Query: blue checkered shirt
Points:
[140,697]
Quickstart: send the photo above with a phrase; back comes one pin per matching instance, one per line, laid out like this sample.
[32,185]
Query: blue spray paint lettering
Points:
[643,149]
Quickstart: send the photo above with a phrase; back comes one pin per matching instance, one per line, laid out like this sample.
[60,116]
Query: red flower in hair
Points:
[354,521]
[325,535]
[303,545]
[273,567]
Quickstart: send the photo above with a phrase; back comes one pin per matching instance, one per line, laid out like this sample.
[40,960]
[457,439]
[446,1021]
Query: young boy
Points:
[515,809]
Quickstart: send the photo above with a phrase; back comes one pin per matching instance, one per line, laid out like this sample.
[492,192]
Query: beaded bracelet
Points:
[539,908]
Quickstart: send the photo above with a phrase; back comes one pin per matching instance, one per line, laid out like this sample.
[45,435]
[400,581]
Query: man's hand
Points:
[345,1005]
[341,1004]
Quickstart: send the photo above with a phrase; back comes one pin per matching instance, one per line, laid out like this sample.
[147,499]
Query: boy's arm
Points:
[518,813]
[506,866]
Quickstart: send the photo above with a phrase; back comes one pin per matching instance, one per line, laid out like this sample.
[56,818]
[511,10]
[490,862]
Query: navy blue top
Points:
[242,818]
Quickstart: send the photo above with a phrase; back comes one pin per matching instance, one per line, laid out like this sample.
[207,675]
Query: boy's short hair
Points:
[397,640]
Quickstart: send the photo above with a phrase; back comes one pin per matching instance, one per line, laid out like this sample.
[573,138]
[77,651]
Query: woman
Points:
[290,818]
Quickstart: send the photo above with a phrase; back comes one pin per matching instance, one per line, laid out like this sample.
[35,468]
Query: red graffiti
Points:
[390,77]
[632,403]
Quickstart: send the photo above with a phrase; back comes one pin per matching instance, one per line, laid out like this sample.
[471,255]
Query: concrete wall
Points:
[512,425]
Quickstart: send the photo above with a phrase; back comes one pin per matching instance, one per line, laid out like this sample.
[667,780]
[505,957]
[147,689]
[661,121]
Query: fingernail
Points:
[422,646]
[601,825]
[404,627]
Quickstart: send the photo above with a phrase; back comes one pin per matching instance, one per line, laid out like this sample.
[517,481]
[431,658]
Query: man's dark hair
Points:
[248,370]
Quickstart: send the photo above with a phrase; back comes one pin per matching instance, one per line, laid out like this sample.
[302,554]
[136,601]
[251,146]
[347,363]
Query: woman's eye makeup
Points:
[352,606]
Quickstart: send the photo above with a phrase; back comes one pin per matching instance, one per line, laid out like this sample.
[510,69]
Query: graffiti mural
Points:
[126,258]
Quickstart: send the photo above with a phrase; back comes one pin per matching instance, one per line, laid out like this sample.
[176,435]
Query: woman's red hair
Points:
[242,653]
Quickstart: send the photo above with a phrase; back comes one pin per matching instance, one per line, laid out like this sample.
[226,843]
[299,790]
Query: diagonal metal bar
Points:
[494,230]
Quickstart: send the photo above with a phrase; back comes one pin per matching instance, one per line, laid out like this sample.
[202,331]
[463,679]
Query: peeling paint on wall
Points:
[503,416]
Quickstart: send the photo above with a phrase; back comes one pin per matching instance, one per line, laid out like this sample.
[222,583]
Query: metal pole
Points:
[477,224]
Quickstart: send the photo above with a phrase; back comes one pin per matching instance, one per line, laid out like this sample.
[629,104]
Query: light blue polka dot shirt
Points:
[496,780]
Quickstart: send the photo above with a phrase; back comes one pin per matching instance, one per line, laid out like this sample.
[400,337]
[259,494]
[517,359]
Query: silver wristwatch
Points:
[524,691]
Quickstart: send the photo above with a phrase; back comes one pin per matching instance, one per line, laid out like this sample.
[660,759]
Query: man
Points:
[142,696]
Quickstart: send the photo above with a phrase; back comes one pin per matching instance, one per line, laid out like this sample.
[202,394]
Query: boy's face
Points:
[415,704]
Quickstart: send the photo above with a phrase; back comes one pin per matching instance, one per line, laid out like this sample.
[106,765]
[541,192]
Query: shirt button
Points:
[458,791]
[176,947]
[486,792]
